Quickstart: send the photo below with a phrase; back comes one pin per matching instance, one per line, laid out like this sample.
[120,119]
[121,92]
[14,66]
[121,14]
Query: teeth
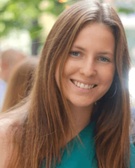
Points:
[82,85]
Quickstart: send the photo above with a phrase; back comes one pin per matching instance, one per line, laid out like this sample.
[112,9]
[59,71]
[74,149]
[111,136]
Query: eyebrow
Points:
[78,47]
[104,53]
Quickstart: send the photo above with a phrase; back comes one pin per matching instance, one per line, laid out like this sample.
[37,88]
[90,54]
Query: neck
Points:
[81,117]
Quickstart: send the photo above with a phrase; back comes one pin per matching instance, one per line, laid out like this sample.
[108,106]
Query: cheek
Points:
[70,66]
[108,75]
[112,72]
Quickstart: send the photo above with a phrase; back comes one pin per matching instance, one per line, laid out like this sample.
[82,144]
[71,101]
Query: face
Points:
[90,67]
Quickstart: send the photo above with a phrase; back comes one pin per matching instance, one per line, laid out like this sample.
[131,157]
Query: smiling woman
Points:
[78,112]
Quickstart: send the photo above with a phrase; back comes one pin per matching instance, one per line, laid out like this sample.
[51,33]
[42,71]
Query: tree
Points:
[24,15]
[18,14]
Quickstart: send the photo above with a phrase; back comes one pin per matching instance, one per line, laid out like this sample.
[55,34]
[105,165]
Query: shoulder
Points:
[5,124]
[8,121]
[5,141]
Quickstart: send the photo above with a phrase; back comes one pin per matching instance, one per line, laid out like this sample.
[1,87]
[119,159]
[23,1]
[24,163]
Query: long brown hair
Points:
[49,118]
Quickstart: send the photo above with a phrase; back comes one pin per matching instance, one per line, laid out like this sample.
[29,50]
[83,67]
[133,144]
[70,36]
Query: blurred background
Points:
[25,24]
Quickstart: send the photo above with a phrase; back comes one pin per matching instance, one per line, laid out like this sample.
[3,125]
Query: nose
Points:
[88,68]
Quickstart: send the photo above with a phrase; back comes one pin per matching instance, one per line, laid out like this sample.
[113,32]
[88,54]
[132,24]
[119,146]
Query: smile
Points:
[82,85]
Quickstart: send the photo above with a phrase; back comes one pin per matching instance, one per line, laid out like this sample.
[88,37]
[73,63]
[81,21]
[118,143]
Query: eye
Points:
[75,53]
[104,59]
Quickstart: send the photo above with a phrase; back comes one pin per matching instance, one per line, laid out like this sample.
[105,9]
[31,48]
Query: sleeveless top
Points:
[81,154]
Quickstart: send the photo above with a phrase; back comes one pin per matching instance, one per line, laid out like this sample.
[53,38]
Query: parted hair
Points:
[48,120]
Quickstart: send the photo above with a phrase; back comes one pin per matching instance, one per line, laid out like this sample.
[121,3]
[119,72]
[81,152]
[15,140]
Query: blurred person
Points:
[9,58]
[0,62]
[78,112]
[20,82]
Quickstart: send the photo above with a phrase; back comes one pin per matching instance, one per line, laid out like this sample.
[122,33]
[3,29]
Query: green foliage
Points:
[25,14]
[18,14]
[126,7]
[55,7]
[126,10]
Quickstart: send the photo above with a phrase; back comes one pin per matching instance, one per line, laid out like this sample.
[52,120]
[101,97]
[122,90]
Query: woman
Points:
[78,112]
[20,83]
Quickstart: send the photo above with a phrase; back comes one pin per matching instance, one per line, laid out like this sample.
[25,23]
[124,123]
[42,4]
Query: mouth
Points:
[83,85]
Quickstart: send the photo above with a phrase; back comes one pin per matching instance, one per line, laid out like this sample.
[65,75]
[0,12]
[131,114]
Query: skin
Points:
[89,70]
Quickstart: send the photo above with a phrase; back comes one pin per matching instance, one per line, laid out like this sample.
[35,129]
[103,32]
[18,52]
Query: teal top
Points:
[132,156]
[80,154]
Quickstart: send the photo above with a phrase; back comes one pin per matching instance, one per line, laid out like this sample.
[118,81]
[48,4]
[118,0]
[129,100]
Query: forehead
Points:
[96,27]
[99,33]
